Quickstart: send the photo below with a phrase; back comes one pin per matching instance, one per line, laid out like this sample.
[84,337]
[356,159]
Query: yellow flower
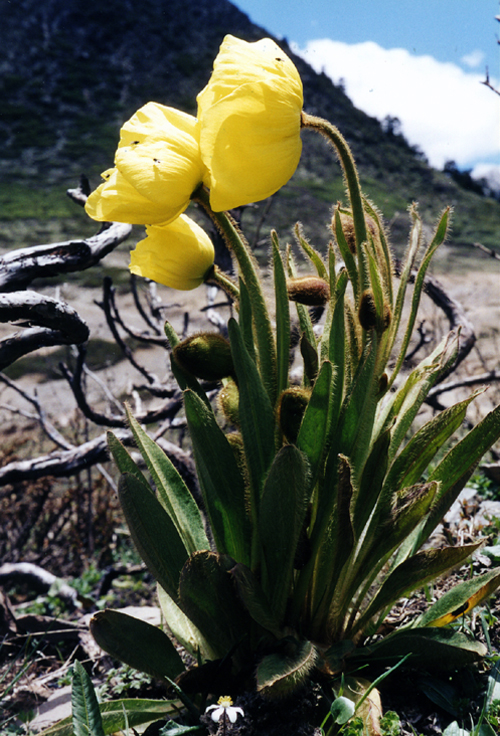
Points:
[250,117]
[157,168]
[179,254]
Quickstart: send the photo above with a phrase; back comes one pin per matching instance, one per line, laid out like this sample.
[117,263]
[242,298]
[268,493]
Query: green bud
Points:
[292,405]
[309,290]
[229,399]
[206,356]
[367,314]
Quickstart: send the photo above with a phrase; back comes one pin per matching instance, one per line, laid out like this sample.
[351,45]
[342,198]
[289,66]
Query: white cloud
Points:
[474,59]
[489,172]
[443,109]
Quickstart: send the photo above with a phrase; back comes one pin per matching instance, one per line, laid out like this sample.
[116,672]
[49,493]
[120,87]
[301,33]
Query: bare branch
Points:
[492,253]
[107,307]
[20,267]
[49,429]
[60,324]
[479,379]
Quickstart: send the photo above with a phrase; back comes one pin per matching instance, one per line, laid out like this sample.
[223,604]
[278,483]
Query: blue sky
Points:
[432,84]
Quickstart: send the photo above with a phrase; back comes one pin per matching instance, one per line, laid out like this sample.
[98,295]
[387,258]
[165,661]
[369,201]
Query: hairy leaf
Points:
[139,644]
[85,708]
[281,673]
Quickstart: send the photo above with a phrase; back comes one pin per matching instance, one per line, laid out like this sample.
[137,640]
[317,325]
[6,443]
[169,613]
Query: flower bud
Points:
[367,313]
[347,223]
[309,290]
[229,399]
[292,405]
[206,356]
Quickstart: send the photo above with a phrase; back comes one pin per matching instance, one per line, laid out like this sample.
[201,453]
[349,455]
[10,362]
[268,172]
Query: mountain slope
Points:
[71,71]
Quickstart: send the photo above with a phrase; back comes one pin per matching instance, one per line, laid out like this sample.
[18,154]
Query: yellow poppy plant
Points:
[250,119]
[179,255]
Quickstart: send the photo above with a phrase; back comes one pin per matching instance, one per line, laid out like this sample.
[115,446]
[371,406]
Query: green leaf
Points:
[245,320]
[85,708]
[356,419]
[346,254]
[342,709]
[458,465]
[207,596]
[281,518]
[171,728]
[370,482]
[440,692]
[153,532]
[138,712]
[415,572]
[431,648]
[183,629]
[124,461]
[220,480]
[279,674]
[410,464]
[256,412]
[282,317]
[173,493]
[310,358]
[461,599]
[139,644]
[313,431]
[254,600]
[312,254]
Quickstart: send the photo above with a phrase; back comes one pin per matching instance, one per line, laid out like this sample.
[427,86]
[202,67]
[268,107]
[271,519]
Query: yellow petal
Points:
[157,168]
[118,201]
[250,119]
[178,255]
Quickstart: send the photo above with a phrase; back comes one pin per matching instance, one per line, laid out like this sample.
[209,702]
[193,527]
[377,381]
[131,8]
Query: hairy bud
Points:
[367,313]
[292,405]
[206,355]
[309,290]
[229,399]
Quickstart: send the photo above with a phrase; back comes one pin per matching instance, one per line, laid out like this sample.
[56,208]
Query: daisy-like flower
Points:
[224,707]
[250,120]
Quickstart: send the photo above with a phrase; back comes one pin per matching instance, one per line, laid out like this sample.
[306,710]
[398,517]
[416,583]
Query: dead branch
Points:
[477,380]
[59,323]
[107,307]
[47,426]
[456,317]
[492,253]
[20,267]
[41,580]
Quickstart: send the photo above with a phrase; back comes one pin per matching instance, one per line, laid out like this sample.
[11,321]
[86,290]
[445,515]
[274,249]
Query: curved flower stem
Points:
[337,140]
[237,244]
[220,279]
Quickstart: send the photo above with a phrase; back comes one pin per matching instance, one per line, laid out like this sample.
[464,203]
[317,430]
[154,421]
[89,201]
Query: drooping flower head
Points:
[178,255]
[157,168]
[250,118]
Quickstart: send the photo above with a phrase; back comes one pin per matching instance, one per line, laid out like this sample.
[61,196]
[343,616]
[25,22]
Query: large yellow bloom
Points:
[157,168]
[179,254]
[249,115]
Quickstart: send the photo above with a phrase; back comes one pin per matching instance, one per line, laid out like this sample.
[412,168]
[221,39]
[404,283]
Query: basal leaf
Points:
[461,599]
[256,412]
[208,597]
[124,462]
[281,673]
[311,253]
[417,571]
[154,534]
[136,643]
[282,317]
[281,518]
[313,431]
[220,480]
[254,600]
[173,493]
[183,629]
[431,648]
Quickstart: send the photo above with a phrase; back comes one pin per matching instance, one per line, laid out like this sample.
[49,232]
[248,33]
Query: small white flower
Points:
[224,706]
